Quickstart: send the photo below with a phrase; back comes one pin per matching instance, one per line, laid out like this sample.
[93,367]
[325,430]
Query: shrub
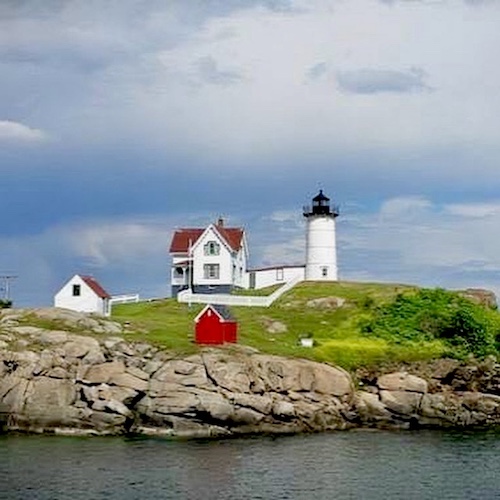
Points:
[430,314]
[5,303]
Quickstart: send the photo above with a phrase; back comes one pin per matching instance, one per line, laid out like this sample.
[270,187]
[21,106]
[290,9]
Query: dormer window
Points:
[212,248]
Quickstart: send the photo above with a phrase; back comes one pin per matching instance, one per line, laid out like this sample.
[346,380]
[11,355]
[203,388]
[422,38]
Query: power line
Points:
[6,280]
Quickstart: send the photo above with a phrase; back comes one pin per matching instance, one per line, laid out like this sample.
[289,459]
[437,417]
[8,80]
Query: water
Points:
[344,465]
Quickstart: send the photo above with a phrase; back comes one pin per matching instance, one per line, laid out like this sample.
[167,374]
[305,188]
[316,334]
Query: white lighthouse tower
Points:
[321,248]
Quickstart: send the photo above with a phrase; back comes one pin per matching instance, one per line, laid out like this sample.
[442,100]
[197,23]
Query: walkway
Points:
[236,300]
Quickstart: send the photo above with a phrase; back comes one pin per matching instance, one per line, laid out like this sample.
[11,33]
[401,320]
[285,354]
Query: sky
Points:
[121,120]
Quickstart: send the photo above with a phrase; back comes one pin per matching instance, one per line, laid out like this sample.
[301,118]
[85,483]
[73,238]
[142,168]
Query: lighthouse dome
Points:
[320,206]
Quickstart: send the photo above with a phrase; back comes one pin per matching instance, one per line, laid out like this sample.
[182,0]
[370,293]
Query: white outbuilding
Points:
[83,294]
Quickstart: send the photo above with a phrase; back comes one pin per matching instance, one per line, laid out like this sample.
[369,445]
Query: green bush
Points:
[5,303]
[430,314]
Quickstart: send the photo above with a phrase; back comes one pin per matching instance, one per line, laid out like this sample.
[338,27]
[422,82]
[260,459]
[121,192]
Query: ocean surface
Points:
[341,465]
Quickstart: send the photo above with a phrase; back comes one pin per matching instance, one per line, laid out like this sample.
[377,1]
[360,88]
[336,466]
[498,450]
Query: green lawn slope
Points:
[352,324]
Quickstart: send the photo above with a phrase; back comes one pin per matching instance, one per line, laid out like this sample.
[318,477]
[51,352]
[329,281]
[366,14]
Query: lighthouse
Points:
[321,248]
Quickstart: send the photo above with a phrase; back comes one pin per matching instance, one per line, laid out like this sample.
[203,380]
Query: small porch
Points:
[181,276]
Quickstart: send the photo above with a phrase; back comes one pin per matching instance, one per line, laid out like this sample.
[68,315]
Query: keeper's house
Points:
[210,260]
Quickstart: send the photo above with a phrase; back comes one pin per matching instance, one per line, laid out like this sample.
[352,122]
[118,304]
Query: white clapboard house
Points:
[209,260]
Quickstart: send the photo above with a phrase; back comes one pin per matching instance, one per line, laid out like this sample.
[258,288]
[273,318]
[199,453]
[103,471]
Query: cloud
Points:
[11,131]
[277,238]
[474,211]
[317,71]
[285,218]
[209,72]
[126,255]
[166,79]
[417,241]
[113,243]
[392,2]
[404,206]
[375,81]
[475,3]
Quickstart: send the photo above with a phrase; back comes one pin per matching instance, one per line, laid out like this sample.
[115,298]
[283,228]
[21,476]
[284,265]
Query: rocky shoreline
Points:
[56,381]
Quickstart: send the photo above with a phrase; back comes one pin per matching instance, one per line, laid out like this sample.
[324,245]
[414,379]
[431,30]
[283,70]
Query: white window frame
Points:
[211,271]
[279,274]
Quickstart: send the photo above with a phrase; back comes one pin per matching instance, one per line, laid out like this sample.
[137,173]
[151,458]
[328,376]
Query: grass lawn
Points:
[335,331]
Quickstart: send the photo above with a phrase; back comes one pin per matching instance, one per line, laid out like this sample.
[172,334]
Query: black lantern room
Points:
[321,206]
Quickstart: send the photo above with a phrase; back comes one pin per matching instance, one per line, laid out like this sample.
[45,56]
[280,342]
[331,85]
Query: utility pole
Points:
[5,280]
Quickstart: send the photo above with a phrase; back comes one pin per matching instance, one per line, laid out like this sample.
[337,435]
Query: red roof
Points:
[233,236]
[182,238]
[96,287]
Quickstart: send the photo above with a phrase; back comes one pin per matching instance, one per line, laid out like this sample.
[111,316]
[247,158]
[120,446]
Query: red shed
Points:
[215,325]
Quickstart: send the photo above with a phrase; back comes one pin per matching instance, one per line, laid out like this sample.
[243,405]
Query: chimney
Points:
[220,221]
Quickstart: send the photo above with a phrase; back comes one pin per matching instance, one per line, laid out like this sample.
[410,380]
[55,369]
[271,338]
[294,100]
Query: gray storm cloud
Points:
[374,81]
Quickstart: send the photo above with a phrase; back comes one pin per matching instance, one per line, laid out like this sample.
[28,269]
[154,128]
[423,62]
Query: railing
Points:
[187,296]
[334,210]
[124,299]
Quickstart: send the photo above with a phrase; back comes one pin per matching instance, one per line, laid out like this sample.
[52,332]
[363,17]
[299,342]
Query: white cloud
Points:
[476,210]
[276,112]
[288,217]
[114,243]
[11,131]
[160,76]
[125,255]
[424,242]
[209,72]
[404,207]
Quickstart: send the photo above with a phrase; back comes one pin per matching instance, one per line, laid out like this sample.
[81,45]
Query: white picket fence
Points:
[187,296]
[124,298]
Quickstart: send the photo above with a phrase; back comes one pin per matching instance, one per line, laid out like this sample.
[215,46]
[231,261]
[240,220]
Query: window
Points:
[279,274]
[76,290]
[211,271]
[211,248]
[324,272]
[179,271]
